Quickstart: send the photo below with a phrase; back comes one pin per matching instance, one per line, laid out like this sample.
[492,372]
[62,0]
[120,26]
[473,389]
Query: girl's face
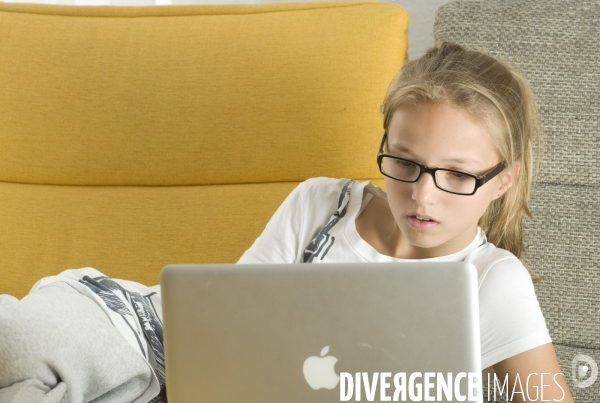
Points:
[440,135]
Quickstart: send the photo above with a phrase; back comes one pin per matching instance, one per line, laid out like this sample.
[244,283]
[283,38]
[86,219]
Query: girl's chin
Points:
[432,239]
[421,239]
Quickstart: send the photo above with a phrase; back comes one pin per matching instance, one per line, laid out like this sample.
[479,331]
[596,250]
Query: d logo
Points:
[580,370]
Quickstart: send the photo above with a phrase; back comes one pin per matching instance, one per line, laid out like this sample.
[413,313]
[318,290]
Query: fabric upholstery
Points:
[134,137]
[555,45]
[139,100]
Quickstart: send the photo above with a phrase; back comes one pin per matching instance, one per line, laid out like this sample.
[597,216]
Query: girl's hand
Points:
[530,365]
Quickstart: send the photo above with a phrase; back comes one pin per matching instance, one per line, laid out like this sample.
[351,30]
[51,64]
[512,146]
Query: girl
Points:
[456,152]
[457,156]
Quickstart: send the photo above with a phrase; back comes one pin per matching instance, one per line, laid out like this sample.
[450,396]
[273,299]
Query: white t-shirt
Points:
[511,321]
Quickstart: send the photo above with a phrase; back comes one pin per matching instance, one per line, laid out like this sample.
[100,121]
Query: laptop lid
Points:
[321,333]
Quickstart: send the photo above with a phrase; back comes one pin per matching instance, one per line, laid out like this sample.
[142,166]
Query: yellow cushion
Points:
[135,137]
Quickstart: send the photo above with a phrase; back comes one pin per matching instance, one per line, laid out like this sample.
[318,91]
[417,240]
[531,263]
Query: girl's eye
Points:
[458,175]
[406,164]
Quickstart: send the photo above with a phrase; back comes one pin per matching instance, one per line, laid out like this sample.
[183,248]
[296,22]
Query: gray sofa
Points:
[556,45]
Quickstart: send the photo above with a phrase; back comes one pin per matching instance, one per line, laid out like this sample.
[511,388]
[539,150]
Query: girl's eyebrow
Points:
[464,160]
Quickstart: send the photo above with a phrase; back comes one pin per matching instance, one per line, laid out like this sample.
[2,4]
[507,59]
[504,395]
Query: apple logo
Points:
[319,372]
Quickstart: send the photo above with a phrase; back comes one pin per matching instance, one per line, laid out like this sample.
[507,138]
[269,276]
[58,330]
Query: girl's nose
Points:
[424,190]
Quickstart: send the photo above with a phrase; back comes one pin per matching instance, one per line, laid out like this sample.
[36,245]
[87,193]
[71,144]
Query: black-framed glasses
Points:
[448,180]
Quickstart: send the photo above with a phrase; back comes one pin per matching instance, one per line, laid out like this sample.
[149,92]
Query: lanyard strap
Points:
[323,241]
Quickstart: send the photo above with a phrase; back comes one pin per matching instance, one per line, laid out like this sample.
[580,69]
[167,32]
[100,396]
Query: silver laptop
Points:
[321,332]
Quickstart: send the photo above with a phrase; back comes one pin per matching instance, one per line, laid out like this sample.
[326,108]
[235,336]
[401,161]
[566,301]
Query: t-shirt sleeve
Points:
[511,320]
[300,217]
[280,240]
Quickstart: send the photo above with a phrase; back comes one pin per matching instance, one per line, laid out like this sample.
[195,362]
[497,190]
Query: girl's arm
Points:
[529,366]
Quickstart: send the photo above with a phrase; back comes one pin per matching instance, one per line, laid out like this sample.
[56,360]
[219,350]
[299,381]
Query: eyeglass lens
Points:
[408,171]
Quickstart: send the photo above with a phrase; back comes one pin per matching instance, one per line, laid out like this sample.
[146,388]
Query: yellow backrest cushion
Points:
[115,119]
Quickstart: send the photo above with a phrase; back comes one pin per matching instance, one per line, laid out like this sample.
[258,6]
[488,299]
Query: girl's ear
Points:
[508,177]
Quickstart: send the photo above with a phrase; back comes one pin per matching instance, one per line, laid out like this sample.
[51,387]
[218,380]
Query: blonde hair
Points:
[494,93]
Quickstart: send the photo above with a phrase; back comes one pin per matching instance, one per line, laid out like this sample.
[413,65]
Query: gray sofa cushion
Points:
[562,247]
[556,45]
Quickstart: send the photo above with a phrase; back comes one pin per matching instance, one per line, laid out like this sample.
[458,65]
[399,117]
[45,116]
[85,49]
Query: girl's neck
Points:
[376,226]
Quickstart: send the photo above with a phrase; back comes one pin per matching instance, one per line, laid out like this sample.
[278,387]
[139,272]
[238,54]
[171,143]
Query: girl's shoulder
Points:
[324,184]
[493,263]
[332,187]
[323,191]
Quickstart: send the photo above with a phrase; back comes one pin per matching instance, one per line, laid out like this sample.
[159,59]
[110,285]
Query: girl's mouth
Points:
[421,222]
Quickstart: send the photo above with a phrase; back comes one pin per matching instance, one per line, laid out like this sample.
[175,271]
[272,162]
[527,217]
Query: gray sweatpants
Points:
[56,345]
